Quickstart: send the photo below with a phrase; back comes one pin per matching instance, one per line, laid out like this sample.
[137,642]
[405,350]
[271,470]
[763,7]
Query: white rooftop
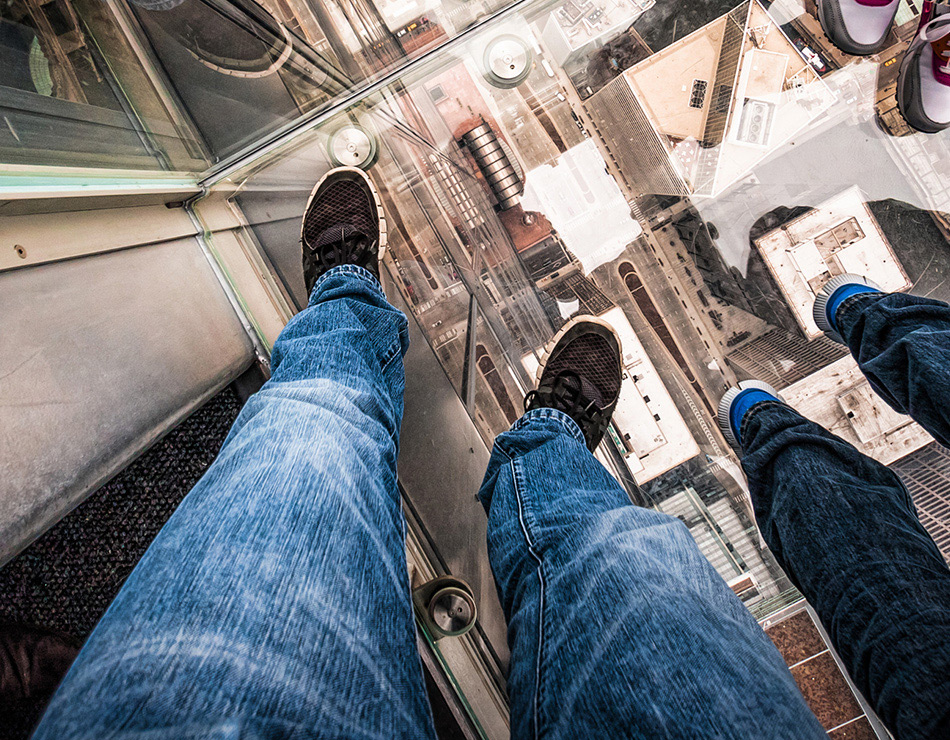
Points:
[573,24]
[841,235]
[584,204]
[840,399]
[773,95]
[397,13]
[651,426]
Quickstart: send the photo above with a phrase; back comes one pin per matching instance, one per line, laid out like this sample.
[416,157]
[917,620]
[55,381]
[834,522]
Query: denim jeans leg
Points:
[902,344]
[845,530]
[618,625]
[275,601]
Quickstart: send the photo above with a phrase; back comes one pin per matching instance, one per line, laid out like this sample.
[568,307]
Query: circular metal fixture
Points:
[445,606]
[507,61]
[452,610]
[354,146]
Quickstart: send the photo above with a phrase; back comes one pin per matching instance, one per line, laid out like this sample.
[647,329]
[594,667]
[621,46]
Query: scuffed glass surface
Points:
[692,173]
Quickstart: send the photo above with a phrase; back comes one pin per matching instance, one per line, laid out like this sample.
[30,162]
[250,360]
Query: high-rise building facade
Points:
[782,358]
[640,153]
[926,473]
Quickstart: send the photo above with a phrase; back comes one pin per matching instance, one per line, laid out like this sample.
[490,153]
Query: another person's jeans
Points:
[275,602]
[844,528]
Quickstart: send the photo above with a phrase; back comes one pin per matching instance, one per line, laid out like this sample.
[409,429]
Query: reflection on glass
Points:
[692,177]
[73,91]
[239,69]
[180,84]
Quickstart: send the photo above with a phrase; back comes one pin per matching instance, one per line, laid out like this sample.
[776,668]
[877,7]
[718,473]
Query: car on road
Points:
[811,56]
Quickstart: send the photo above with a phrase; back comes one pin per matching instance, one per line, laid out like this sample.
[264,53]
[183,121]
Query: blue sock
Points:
[840,295]
[742,403]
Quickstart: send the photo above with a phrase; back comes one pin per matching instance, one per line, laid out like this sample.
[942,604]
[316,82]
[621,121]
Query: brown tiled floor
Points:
[821,682]
[858,730]
[796,638]
[826,691]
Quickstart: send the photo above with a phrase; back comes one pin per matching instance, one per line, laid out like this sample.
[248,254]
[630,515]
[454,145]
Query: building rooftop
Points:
[840,398]
[665,82]
[584,204]
[652,429]
[397,13]
[646,416]
[841,235]
[574,24]
[740,90]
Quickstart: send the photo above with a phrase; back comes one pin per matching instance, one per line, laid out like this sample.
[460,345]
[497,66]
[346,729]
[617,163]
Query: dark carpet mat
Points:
[61,585]
[65,580]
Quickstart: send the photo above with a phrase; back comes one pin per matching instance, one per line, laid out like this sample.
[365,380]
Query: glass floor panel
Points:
[184,84]
[691,176]
[692,173]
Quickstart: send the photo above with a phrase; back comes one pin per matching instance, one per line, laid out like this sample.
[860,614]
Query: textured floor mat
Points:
[66,579]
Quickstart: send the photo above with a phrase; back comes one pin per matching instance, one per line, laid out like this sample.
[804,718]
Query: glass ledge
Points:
[692,178]
[692,173]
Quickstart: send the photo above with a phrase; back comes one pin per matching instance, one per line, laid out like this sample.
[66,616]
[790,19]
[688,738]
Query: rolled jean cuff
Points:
[547,418]
[852,307]
[755,410]
[348,272]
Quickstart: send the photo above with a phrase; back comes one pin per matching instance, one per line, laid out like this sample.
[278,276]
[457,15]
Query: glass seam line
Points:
[238,304]
[276,139]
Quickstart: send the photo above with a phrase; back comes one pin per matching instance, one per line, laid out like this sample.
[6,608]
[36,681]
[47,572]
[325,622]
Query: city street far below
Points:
[691,174]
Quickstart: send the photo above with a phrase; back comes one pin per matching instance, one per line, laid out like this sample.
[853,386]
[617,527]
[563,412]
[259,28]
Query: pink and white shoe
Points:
[857,26]
[923,87]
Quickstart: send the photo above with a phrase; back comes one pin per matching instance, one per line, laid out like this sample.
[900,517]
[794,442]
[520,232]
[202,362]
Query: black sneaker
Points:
[581,376]
[343,224]
[857,27]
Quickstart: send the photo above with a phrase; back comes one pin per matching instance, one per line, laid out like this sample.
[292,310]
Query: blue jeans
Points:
[902,344]
[275,602]
[618,625]
[844,528]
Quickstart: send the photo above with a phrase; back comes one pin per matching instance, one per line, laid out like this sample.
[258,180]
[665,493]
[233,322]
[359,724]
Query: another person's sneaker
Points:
[581,376]
[923,87]
[343,224]
[737,401]
[857,27]
[832,295]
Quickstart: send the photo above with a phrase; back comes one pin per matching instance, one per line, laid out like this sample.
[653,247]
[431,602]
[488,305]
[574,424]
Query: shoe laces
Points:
[564,394]
[350,248]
